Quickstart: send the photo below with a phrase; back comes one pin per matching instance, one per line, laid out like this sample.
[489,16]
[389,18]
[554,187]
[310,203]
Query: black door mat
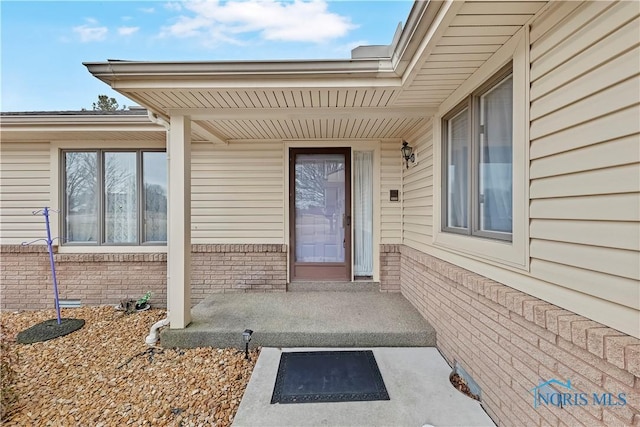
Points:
[328,376]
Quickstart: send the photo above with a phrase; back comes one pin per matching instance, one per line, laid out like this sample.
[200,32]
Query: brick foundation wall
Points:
[237,268]
[97,279]
[389,268]
[509,341]
[94,279]
[25,277]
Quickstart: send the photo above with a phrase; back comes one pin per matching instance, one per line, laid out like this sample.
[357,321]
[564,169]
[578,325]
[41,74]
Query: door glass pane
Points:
[154,166]
[458,170]
[495,171]
[120,189]
[81,197]
[320,207]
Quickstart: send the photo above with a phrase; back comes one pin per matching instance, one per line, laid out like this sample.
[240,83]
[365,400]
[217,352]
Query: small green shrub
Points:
[143,299]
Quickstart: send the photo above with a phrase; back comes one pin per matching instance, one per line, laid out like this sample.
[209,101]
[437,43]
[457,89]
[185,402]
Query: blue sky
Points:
[44,43]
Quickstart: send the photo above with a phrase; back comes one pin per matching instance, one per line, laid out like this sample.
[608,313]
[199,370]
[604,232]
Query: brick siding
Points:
[96,279]
[390,268]
[237,268]
[509,341]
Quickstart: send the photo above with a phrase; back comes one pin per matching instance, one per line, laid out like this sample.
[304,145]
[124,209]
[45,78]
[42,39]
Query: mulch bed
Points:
[104,374]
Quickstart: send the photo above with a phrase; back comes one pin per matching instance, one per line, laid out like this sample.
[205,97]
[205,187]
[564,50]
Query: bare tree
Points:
[82,192]
[311,182]
[81,182]
[106,104]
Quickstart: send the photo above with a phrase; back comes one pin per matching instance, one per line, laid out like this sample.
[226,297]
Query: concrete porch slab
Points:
[417,380]
[304,319]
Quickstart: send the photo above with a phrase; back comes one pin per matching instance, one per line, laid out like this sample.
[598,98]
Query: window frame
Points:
[101,199]
[475,250]
[472,104]
[453,113]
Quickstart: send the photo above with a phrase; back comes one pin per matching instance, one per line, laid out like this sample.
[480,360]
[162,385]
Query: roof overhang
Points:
[442,43]
[118,73]
[257,100]
[78,125]
[361,71]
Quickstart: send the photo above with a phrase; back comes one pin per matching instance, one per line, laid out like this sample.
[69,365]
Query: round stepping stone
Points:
[48,330]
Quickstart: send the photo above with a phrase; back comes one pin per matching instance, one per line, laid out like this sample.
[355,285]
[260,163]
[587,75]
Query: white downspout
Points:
[152,338]
[154,118]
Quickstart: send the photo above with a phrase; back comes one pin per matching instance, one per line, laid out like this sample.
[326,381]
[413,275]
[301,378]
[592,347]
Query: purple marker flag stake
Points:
[49,329]
[45,212]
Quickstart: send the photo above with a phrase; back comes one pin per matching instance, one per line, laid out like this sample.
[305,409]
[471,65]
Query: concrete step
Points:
[287,339]
[304,319]
[358,286]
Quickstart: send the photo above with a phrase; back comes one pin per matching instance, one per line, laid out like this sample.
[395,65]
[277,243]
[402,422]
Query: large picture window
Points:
[478,168]
[115,197]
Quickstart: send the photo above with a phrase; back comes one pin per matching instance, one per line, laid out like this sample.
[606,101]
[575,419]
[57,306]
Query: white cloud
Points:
[89,33]
[147,9]
[173,6]
[297,21]
[127,31]
[127,18]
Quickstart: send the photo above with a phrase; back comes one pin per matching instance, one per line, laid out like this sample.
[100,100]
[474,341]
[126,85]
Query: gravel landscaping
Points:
[105,375]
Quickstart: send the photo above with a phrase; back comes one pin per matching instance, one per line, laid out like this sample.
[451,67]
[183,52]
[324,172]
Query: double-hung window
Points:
[478,162]
[113,197]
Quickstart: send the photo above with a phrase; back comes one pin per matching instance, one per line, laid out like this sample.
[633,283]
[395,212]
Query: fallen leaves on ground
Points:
[105,375]
[460,384]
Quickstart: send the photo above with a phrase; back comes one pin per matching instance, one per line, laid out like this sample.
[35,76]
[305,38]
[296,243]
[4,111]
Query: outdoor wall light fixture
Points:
[246,337]
[407,153]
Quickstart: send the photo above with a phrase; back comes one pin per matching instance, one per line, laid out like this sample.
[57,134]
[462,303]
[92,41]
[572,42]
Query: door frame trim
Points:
[374,145]
[348,254]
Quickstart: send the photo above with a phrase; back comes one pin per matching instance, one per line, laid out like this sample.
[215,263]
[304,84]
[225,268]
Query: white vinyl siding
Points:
[24,187]
[417,206]
[237,193]
[585,185]
[391,165]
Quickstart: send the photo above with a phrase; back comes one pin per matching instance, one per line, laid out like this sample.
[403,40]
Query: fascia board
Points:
[419,21]
[74,120]
[113,70]
[74,123]
[68,127]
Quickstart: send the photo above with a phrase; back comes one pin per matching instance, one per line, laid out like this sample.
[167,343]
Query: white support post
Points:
[179,223]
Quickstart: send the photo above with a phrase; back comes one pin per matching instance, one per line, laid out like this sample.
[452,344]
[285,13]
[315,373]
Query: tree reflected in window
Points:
[105,193]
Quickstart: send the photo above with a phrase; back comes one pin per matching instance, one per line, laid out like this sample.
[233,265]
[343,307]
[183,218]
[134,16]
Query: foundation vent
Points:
[70,303]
